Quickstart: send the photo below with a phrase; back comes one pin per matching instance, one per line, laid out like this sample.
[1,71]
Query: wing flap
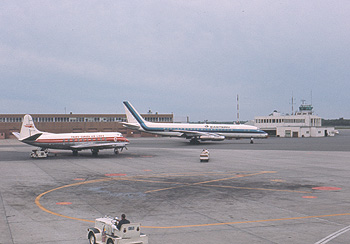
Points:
[194,133]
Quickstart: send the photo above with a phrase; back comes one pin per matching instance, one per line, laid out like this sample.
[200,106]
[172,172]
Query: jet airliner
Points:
[194,132]
[94,141]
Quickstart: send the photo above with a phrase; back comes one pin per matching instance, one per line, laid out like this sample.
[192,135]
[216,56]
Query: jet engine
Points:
[211,138]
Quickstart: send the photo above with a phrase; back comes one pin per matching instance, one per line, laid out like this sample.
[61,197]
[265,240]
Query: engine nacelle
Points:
[211,138]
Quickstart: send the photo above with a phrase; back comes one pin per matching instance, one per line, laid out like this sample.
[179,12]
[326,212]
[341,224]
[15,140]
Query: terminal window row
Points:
[65,119]
[82,119]
[158,119]
[10,119]
[280,120]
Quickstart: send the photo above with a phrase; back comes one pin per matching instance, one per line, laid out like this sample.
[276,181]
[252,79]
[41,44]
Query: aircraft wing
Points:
[131,125]
[101,145]
[200,134]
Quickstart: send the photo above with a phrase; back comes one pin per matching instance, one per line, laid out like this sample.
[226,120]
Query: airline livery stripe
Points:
[94,139]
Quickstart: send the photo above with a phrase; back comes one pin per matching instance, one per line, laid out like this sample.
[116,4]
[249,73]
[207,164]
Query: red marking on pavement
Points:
[309,197]
[63,203]
[326,188]
[115,174]
[147,170]
[79,179]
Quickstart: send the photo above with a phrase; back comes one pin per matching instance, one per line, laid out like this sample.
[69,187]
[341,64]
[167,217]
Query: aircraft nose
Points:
[123,139]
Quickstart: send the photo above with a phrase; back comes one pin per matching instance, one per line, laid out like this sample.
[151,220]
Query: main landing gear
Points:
[194,141]
[94,152]
[119,150]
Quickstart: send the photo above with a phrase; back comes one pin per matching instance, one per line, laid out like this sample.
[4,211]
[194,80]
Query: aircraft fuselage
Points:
[77,141]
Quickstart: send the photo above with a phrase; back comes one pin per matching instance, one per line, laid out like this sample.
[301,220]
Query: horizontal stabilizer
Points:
[17,135]
[131,126]
[32,138]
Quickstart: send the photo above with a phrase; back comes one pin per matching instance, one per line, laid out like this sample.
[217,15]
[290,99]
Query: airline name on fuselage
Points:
[88,136]
[218,127]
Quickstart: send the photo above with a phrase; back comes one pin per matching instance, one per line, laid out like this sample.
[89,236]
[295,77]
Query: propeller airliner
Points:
[95,141]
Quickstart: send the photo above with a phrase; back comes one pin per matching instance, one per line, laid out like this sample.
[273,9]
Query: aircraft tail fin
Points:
[28,129]
[132,115]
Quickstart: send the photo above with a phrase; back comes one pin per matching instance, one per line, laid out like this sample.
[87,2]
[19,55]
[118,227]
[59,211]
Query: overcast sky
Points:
[191,58]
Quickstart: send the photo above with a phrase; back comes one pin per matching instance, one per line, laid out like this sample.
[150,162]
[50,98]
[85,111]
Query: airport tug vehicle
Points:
[204,156]
[38,153]
[106,232]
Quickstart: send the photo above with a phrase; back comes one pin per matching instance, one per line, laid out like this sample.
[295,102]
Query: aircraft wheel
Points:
[116,151]
[75,153]
[194,141]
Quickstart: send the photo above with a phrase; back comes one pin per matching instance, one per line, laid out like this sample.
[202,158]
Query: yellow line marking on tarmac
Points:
[37,201]
[278,180]
[259,189]
[210,181]
[245,222]
[237,176]
[151,181]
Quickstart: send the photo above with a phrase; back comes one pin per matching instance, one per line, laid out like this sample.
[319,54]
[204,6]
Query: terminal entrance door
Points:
[295,134]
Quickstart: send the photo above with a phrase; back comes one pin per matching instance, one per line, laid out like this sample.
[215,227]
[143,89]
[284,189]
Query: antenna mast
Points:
[237,109]
[311,97]
[293,104]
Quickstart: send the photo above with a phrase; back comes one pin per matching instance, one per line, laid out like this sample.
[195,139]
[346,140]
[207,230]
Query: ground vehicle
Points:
[37,153]
[106,232]
[204,156]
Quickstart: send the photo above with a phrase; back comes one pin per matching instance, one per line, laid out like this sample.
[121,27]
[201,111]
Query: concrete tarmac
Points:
[277,190]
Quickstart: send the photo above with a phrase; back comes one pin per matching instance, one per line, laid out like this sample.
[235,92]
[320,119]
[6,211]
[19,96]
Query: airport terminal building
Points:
[69,123]
[301,124]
